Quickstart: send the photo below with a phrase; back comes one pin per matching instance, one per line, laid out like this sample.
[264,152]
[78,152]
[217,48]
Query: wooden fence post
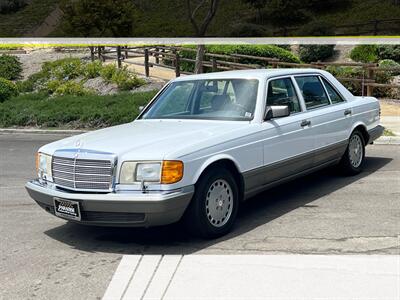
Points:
[214,65]
[103,49]
[146,62]
[173,61]
[370,89]
[99,52]
[92,53]
[177,65]
[119,57]
[156,55]
[126,52]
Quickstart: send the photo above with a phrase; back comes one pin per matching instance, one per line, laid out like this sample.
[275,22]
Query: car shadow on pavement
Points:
[172,239]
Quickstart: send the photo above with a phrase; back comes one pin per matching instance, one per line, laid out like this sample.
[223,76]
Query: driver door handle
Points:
[305,123]
[347,112]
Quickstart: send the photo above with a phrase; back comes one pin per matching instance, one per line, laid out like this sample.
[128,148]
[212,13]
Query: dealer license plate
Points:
[67,209]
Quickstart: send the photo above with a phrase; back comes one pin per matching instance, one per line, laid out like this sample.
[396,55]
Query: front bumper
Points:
[134,209]
[375,133]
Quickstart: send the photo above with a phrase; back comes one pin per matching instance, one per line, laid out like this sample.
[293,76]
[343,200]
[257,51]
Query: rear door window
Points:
[313,92]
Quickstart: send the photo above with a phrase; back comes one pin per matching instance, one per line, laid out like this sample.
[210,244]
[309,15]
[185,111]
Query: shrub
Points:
[358,72]
[348,72]
[71,88]
[52,85]
[388,63]
[10,67]
[364,53]
[386,76]
[249,30]
[7,89]
[285,46]
[253,50]
[125,80]
[108,71]
[34,82]
[63,69]
[92,69]
[314,53]
[317,28]
[11,6]
[389,52]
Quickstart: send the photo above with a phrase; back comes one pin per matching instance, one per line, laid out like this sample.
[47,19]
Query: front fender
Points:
[212,160]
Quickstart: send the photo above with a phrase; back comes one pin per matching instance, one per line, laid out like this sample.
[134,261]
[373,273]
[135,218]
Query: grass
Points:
[388,132]
[28,18]
[90,111]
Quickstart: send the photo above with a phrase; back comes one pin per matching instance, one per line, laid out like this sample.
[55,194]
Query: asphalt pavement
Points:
[43,257]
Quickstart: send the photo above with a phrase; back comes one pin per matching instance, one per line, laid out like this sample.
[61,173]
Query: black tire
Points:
[197,217]
[349,166]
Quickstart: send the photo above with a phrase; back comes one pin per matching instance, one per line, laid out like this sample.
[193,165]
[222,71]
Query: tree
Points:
[205,10]
[11,6]
[99,17]
[258,5]
[286,13]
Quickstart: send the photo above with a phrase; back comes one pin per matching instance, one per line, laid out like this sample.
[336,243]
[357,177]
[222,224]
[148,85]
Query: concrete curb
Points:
[388,140]
[383,140]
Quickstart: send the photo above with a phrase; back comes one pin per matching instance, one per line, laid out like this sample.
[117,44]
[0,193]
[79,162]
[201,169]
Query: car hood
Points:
[148,139]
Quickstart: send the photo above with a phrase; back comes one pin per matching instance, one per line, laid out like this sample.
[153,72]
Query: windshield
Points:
[217,99]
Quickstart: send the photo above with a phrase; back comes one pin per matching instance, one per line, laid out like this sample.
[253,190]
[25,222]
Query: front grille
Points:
[82,174]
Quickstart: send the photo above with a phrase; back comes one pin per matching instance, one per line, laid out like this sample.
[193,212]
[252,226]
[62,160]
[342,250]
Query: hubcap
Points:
[219,203]
[355,151]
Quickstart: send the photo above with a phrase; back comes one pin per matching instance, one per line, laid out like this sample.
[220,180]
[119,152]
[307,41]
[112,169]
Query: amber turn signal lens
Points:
[172,171]
[37,162]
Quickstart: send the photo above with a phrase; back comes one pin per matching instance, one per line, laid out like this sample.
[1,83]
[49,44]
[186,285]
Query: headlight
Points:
[164,172]
[43,165]
[148,172]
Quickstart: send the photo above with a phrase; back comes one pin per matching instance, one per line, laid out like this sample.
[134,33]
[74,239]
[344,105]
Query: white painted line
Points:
[286,277]
[142,277]
[163,277]
[221,277]
[122,276]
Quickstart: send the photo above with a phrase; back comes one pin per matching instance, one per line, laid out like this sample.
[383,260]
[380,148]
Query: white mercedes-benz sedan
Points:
[204,144]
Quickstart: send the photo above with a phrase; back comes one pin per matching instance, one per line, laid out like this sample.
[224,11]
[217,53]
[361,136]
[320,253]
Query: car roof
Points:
[252,73]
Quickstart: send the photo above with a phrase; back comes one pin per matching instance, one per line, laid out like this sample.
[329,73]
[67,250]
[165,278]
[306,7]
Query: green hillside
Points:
[26,19]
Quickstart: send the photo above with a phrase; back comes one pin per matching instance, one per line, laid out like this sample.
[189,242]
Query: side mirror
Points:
[276,111]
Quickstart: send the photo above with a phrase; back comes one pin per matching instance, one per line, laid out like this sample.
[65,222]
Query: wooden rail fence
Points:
[169,57]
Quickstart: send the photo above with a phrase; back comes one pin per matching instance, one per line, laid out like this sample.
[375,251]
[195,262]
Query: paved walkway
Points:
[255,277]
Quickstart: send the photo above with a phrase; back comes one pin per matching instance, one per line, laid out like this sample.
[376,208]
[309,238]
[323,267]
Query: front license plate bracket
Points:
[67,209]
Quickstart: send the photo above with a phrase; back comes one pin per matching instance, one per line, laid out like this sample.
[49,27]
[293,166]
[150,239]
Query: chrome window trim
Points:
[309,75]
[334,88]
[295,90]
